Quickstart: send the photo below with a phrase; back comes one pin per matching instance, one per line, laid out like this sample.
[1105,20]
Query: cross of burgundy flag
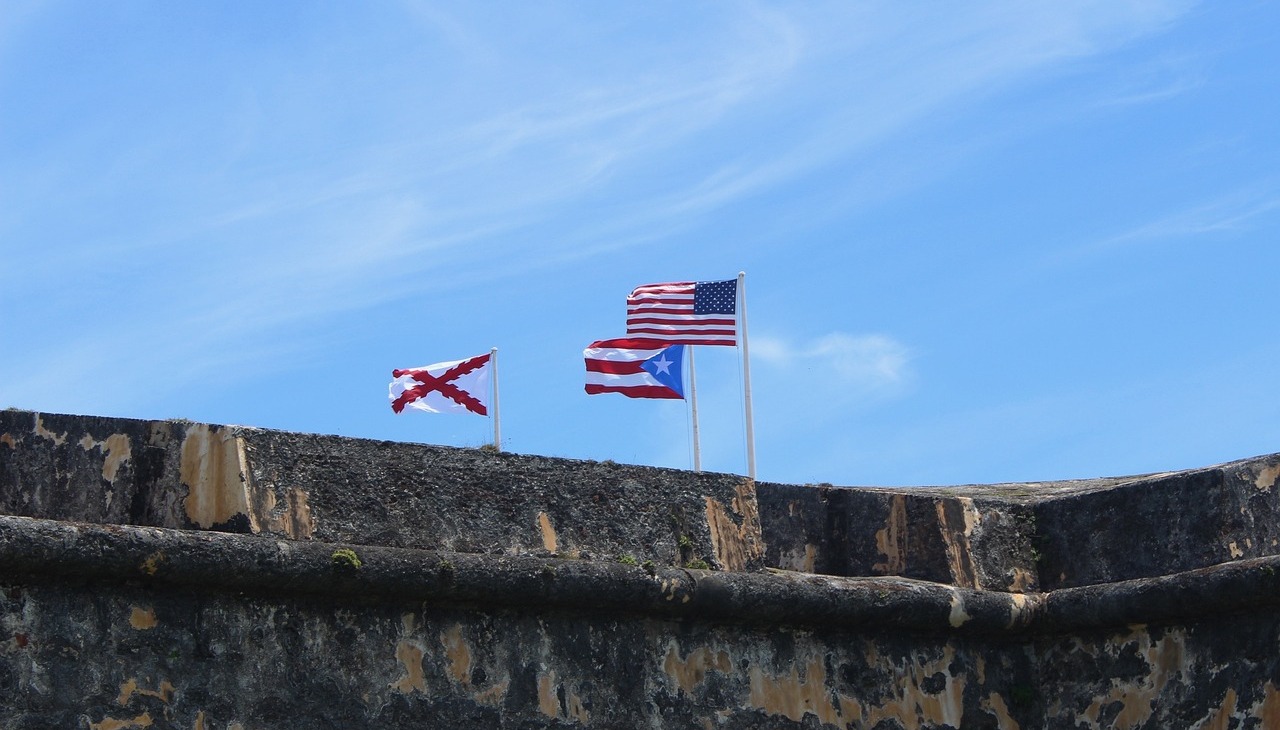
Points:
[446,387]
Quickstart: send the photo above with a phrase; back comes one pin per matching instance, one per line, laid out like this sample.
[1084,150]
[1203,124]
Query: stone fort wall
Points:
[176,575]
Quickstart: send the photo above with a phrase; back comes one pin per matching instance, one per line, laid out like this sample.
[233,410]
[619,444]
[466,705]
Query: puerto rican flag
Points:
[635,367]
[457,386]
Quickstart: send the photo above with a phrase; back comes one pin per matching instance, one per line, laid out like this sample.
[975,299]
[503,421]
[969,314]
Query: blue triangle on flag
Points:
[665,367]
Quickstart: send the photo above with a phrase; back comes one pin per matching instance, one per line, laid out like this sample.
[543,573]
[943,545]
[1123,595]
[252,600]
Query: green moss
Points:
[685,543]
[345,558]
[447,571]
[627,560]
[698,564]
[649,567]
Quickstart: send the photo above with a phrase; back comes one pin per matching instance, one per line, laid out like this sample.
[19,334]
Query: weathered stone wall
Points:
[948,537]
[115,627]
[178,575]
[145,658]
[142,627]
[302,486]
[1160,524]
[1033,536]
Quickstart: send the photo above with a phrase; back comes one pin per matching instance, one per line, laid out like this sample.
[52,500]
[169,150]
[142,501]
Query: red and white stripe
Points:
[665,312]
[613,366]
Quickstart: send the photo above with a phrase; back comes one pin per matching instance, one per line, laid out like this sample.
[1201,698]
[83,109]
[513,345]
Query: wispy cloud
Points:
[1155,91]
[1240,211]
[875,86]
[288,221]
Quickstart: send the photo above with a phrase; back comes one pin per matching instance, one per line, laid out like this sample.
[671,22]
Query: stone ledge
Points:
[43,550]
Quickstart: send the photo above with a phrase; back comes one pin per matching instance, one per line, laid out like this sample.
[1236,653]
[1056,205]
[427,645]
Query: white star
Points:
[663,364]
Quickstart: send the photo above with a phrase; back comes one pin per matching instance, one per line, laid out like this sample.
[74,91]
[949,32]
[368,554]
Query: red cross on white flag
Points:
[446,387]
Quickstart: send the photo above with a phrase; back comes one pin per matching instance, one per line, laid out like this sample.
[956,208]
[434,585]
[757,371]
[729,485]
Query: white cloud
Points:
[839,366]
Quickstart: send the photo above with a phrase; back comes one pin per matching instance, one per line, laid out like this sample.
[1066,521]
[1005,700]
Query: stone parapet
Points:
[1032,536]
[182,475]
[165,575]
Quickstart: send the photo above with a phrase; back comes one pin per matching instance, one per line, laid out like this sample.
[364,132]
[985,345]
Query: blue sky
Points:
[992,241]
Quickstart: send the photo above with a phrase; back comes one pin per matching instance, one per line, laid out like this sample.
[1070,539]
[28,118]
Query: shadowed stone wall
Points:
[1031,536]
[177,575]
[184,475]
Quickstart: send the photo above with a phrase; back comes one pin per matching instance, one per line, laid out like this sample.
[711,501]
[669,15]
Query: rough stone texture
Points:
[117,627]
[1030,536]
[301,486]
[1160,524]
[179,575]
[966,541]
[140,657]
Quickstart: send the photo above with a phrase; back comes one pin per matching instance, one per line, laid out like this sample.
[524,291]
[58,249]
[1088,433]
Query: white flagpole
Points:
[497,419]
[746,375]
[693,403]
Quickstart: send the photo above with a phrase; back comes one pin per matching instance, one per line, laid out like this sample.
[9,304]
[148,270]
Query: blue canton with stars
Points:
[665,368]
[715,297]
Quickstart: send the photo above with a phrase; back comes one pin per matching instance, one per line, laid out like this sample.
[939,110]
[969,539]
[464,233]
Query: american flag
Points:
[685,312]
